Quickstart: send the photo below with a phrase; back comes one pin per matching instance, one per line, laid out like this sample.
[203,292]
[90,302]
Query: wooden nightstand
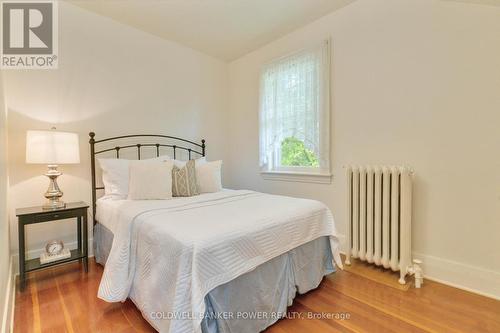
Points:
[33,215]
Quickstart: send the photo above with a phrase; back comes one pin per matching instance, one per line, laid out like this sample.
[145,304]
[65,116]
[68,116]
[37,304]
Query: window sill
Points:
[295,176]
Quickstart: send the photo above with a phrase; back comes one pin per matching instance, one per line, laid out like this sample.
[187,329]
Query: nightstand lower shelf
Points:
[34,264]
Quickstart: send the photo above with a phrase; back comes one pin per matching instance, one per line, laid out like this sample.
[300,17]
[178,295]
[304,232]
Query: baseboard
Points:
[462,276]
[8,314]
[458,275]
[35,253]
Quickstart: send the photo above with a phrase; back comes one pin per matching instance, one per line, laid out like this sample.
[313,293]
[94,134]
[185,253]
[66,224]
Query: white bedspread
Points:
[201,242]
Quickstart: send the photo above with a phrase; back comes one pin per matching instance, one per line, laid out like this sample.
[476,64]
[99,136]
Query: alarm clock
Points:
[54,251]
[54,247]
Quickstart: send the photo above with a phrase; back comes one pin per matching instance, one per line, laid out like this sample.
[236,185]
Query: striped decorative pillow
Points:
[184,180]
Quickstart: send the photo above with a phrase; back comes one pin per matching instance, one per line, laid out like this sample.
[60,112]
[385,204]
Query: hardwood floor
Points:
[63,299]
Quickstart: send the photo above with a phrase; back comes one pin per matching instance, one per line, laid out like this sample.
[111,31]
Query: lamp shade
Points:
[52,147]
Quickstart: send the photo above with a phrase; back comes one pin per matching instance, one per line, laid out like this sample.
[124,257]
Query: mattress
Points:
[172,257]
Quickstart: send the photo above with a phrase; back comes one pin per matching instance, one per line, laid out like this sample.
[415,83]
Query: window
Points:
[294,114]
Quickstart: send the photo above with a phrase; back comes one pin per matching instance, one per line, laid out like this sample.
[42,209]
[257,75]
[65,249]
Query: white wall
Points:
[112,79]
[4,222]
[414,82]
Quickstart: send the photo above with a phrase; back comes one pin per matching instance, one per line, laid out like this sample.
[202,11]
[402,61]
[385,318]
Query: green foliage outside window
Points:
[294,153]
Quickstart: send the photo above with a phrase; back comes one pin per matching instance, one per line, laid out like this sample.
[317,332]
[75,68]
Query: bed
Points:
[229,261]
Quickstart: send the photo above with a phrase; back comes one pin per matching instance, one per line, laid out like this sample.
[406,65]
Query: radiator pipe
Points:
[417,272]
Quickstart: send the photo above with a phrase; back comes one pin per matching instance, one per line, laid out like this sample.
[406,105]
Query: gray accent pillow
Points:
[184,180]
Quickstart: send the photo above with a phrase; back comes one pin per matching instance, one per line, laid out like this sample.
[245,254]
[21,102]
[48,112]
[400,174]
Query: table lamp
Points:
[52,148]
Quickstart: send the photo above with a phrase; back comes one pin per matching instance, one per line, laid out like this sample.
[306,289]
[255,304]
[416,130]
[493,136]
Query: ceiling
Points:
[226,29]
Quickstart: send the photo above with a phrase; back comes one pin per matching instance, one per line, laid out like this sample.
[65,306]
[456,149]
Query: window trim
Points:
[298,176]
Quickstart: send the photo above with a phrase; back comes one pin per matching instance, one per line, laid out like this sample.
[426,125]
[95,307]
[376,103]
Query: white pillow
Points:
[208,177]
[180,164]
[150,180]
[115,175]
[162,158]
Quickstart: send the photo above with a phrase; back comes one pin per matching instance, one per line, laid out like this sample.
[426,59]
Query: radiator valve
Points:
[417,270]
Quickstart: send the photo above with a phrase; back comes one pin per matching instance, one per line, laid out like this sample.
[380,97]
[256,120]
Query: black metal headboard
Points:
[153,141]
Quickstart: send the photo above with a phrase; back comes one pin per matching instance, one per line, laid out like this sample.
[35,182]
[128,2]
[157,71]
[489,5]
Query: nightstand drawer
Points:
[51,216]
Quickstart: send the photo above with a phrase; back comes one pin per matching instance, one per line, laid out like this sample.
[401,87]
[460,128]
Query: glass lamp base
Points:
[56,204]
[53,193]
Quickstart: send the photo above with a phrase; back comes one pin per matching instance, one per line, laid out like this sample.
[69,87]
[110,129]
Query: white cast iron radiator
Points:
[379,216]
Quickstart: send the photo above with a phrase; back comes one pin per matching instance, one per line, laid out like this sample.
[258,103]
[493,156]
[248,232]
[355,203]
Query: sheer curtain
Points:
[295,103]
